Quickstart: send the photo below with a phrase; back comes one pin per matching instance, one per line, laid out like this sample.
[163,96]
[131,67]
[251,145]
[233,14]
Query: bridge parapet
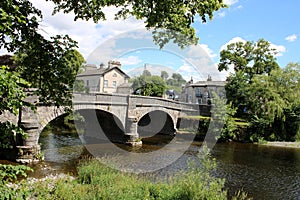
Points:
[146,101]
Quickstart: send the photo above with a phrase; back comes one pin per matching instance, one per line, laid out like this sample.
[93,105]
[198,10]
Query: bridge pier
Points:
[131,134]
[29,150]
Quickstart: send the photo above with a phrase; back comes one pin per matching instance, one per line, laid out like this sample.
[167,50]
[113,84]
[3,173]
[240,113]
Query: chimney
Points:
[112,64]
[90,67]
[102,66]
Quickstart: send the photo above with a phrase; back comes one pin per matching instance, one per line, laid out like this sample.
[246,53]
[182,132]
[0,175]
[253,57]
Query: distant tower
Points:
[209,78]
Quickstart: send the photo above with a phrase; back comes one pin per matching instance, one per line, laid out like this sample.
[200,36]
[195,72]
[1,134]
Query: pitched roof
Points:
[208,83]
[101,72]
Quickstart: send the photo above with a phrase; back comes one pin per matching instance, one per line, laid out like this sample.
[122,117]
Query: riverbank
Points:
[283,144]
[97,181]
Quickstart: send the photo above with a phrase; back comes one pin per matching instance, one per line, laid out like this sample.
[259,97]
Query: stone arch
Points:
[101,125]
[47,114]
[156,121]
[140,112]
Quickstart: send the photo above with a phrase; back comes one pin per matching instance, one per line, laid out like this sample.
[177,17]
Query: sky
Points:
[129,42]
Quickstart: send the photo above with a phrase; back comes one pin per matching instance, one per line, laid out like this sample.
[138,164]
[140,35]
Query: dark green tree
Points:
[146,73]
[149,86]
[51,66]
[164,75]
[249,57]
[176,80]
[11,101]
[45,63]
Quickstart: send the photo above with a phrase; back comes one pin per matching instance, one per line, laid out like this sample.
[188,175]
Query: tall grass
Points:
[97,181]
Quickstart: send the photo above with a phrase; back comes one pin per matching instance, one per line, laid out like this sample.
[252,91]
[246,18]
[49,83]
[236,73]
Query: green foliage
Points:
[9,131]
[149,86]
[11,100]
[11,173]
[164,75]
[51,66]
[264,94]
[11,91]
[80,87]
[237,93]
[97,181]
[103,182]
[249,57]
[18,23]
[175,17]
[48,64]
[230,125]
[176,80]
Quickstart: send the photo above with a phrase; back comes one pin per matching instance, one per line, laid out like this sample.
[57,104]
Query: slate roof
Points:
[208,83]
[100,72]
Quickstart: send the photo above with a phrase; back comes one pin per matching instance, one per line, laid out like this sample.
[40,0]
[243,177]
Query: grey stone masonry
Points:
[129,109]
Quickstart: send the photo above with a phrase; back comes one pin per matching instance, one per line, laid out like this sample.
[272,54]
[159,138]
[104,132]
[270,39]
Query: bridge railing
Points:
[100,98]
[140,101]
[131,100]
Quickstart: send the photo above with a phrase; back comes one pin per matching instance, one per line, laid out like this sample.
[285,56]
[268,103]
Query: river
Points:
[263,172]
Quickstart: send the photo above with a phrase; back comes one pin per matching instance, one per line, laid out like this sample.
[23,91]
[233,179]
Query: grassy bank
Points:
[97,181]
[233,129]
[282,144]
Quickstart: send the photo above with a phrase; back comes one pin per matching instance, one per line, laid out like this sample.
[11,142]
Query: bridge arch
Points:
[46,115]
[154,122]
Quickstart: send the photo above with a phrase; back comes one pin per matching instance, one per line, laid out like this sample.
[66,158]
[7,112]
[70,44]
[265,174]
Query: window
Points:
[115,75]
[105,83]
[198,92]
[114,83]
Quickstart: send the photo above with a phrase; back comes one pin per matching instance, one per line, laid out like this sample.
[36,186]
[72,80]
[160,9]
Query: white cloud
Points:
[209,52]
[199,63]
[130,60]
[233,40]
[230,2]
[279,48]
[188,71]
[88,34]
[291,38]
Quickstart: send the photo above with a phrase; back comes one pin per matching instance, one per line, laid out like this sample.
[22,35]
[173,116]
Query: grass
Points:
[97,181]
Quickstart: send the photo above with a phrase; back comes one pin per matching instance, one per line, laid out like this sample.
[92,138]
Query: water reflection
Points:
[263,172]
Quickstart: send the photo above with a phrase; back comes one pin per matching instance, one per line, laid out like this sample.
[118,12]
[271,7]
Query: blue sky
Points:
[274,21]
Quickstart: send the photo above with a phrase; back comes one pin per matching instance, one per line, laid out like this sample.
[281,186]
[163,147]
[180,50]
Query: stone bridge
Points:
[127,117]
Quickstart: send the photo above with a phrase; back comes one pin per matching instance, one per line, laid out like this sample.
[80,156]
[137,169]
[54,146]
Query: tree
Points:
[249,57]
[176,17]
[149,86]
[51,66]
[48,64]
[45,63]
[248,60]
[237,92]
[177,80]
[164,75]
[264,94]
[146,73]
[11,100]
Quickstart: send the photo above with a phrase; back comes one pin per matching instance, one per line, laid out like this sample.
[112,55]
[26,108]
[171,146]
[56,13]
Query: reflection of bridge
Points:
[131,115]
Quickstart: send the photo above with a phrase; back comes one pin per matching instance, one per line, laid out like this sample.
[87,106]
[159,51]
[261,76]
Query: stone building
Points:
[202,92]
[105,79]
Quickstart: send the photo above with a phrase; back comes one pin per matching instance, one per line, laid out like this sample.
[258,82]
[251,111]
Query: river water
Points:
[261,171]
